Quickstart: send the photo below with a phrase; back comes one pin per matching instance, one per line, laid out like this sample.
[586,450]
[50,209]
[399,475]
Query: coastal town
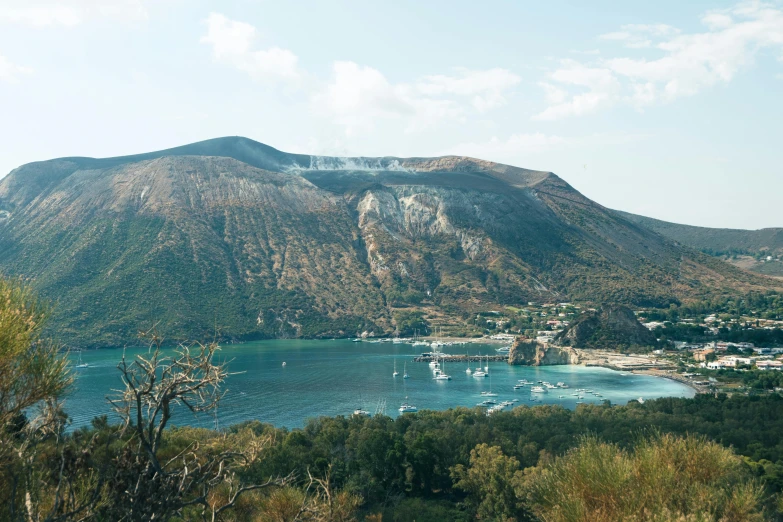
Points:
[693,348]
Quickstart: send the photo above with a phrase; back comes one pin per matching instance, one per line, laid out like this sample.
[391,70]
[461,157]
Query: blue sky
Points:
[667,109]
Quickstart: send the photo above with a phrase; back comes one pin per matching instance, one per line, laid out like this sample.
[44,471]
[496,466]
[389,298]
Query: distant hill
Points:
[748,249]
[236,236]
[611,327]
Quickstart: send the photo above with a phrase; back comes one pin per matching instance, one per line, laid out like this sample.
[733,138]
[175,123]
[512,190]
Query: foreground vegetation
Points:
[708,458]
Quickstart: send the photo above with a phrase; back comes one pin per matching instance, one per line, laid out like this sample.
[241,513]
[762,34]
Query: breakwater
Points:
[462,358]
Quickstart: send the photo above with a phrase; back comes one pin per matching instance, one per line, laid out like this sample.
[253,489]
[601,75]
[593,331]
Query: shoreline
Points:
[674,377]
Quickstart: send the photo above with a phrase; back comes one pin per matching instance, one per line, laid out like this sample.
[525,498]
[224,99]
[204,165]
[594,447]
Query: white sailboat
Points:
[396,373]
[468,370]
[405,371]
[489,393]
[82,364]
[486,368]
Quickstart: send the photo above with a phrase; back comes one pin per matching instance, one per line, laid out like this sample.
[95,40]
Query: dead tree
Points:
[196,481]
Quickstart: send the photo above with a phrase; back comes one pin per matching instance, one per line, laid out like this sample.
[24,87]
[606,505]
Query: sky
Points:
[668,109]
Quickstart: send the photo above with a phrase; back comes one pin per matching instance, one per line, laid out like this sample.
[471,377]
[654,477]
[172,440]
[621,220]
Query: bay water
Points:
[335,377]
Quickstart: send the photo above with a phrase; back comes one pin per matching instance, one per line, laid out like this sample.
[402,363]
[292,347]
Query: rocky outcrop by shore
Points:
[526,352]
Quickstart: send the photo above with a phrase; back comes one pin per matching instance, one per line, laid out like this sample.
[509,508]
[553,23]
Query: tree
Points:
[491,482]
[665,477]
[148,484]
[32,369]
[33,375]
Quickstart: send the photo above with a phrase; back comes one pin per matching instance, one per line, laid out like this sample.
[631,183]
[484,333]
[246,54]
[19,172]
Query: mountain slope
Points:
[233,234]
[756,250]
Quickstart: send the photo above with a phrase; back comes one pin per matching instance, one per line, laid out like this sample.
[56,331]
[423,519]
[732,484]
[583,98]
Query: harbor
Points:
[330,378]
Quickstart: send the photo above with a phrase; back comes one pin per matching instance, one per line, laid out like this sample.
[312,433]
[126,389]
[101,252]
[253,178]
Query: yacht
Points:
[538,389]
[361,413]
[440,375]
[562,385]
[503,350]
[408,408]
[479,373]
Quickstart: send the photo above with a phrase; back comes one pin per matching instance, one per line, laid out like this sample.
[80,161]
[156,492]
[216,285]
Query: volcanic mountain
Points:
[235,238]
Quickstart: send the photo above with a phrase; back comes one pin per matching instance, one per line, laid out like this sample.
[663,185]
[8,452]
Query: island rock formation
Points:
[528,352]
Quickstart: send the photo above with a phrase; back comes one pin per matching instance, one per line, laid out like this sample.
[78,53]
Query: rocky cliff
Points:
[527,352]
[611,327]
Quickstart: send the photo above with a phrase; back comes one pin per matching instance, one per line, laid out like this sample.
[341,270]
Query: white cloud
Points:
[9,71]
[591,52]
[232,43]
[689,63]
[639,36]
[69,13]
[600,85]
[485,88]
[358,96]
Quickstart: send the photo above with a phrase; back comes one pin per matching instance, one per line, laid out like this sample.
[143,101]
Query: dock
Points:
[462,358]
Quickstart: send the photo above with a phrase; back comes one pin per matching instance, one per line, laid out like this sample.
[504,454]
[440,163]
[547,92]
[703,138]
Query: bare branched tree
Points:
[197,480]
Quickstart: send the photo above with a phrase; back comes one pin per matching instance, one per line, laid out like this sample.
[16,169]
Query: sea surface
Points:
[329,378]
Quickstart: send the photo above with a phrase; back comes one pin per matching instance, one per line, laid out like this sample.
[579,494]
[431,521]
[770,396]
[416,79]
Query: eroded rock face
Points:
[526,352]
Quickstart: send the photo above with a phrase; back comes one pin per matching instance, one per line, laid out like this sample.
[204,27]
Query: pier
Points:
[462,358]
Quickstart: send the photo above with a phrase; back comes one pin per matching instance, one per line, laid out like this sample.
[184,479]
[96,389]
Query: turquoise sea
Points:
[336,377]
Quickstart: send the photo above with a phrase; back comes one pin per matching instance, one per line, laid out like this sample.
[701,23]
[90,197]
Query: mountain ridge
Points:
[759,251]
[344,246]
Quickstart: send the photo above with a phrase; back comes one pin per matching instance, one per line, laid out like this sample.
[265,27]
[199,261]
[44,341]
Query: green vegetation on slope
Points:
[759,251]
